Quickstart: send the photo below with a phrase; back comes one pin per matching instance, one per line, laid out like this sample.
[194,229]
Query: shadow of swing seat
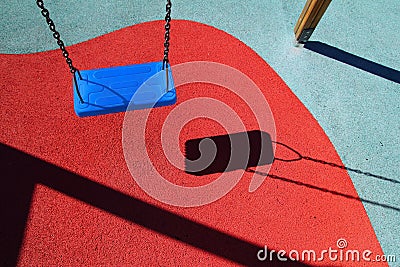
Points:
[224,153]
[122,88]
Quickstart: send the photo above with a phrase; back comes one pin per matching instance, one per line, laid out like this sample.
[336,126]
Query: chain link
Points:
[56,35]
[167,33]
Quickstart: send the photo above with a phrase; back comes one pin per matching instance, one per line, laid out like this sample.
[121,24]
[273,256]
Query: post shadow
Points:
[353,60]
[21,172]
[15,200]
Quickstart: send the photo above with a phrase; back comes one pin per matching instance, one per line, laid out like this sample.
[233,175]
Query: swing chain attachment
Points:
[46,14]
[166,43]
[167,33]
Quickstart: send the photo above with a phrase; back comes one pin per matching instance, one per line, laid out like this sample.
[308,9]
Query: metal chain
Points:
[73,70]
[167,33]
[56,35]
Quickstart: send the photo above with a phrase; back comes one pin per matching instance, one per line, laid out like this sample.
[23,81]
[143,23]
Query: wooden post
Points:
[309,18]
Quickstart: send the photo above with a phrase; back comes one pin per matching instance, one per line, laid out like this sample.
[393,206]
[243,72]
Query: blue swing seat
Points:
[111,90]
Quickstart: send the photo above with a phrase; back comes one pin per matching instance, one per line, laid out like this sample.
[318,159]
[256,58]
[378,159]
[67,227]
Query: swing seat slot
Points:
[110,90]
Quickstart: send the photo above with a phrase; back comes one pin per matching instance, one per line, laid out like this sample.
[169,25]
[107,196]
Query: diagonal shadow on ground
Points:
[353,60]
[21,172]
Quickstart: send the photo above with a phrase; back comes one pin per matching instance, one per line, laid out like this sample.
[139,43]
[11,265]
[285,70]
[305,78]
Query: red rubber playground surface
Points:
[70,200]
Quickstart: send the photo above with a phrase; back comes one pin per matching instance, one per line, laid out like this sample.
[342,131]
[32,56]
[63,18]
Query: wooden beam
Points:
[309,18]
